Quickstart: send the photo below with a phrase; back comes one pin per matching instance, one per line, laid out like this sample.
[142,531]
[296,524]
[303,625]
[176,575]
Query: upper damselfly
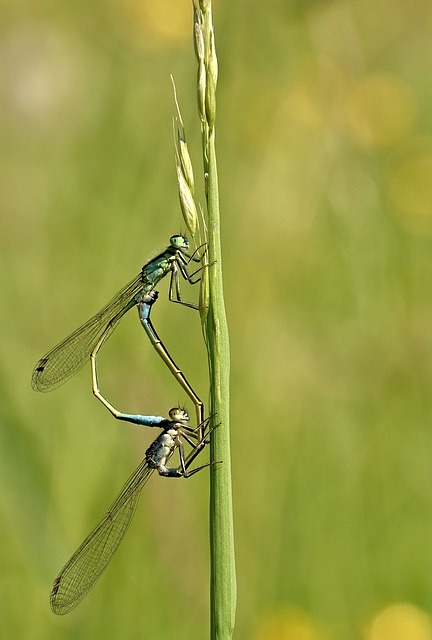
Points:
[65,359]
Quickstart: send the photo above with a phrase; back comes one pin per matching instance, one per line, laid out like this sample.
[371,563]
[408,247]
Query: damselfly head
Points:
[179,242]
[178,415]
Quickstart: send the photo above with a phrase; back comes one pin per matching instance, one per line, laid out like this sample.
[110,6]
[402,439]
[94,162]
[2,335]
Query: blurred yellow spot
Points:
[167,21]
[400,622]
[304,107]
[379,111]
[410,190]
[315,92]
[291,624]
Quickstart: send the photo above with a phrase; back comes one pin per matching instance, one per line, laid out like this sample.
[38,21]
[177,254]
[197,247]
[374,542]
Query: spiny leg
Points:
[174,288]
[191,257]
[197,449]
[204,433]
[179,266]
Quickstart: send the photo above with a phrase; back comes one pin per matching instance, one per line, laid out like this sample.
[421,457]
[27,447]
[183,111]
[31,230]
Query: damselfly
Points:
[91,558]
[65,359]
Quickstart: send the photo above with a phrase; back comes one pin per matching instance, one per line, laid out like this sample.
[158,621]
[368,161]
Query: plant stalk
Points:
[223,591]
[223,588]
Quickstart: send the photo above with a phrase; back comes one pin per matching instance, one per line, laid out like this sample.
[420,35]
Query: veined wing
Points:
[64,360]
[88,562]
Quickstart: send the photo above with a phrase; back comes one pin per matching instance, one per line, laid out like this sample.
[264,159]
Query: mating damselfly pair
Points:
[64,360]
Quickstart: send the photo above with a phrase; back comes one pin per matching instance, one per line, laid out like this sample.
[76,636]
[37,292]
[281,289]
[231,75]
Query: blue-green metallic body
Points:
[64,360]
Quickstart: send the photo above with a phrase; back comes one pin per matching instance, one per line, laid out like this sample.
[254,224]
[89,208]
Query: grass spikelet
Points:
[185,177]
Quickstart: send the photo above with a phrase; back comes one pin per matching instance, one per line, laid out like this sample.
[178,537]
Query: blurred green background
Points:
[325,160]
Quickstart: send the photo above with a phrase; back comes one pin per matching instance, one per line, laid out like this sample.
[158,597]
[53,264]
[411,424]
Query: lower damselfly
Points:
[65,359]
[91,558]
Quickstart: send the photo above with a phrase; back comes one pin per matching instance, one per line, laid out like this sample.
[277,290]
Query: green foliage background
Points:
[325,162]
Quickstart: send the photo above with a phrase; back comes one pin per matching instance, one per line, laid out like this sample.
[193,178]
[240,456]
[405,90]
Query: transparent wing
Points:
[64,360]
[88,562]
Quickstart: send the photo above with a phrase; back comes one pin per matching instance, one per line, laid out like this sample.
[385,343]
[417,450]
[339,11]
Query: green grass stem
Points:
[223,592]
[223,579]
